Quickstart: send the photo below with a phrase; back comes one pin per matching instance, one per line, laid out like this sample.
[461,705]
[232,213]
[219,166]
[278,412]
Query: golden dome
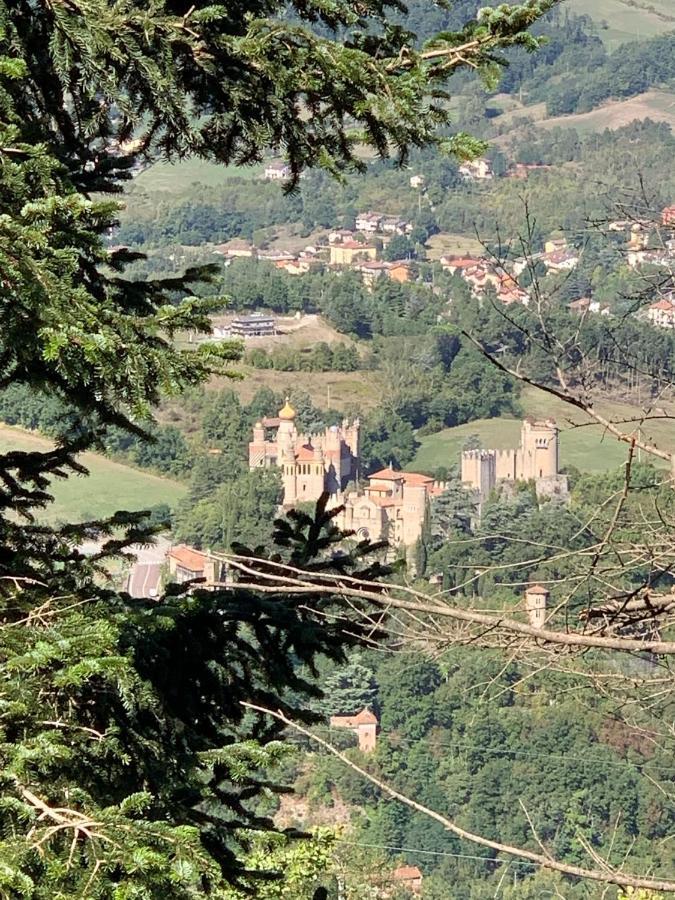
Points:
[287,411]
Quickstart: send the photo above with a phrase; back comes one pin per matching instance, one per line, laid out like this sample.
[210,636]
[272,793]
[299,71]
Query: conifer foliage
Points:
[128,766]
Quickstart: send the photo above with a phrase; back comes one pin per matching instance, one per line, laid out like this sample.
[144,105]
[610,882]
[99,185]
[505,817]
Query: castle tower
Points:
[287,433]
[538,455]
[536,602]
[257,455]
[479,470]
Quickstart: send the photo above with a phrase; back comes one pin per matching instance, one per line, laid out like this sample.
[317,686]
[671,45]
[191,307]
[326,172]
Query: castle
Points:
[388,505]
[309,466]
[536,459]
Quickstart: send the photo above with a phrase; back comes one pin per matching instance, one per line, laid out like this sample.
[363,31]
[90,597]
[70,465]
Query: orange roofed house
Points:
[186,564]
[364,725]
[409,877]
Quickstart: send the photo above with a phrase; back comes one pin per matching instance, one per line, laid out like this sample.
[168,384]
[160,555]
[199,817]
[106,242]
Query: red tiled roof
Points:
[365,717]
[537,589]
[462,262]
[406,873]
[188,558]
[387,474]
[416,479]
[304,453]
[663,304]
[355,245]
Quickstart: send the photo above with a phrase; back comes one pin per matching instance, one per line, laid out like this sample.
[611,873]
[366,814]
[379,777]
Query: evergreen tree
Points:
[348,690]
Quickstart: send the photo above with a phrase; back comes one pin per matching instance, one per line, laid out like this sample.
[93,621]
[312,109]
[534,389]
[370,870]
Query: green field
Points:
[588,447]
[177,177]
[626,22]
[109,487]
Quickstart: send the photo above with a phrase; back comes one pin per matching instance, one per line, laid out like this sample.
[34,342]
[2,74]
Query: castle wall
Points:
[479,470]
[506,465]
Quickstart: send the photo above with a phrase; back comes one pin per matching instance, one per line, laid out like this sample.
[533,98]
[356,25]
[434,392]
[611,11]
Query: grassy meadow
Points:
[110,486]
[583,444]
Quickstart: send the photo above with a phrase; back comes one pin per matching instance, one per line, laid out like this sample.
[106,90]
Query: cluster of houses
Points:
[341,249]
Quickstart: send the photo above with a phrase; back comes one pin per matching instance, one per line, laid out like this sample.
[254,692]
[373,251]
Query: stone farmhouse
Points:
[536,459]
[364,725]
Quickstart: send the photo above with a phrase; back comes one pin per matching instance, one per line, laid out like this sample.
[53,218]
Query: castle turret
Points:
[536,602]
[538,456]
[257,448]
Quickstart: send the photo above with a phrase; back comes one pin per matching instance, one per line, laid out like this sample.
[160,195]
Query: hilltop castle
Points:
[388,505]
[536,459]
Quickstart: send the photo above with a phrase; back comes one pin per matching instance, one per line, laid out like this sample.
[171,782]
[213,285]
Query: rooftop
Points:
[188,557]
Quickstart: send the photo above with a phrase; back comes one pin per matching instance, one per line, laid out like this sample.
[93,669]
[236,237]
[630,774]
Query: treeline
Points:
[630,70]
[167,452]
[387,309]
[322,357]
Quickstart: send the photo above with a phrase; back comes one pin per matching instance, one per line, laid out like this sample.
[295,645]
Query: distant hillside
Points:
[588,449]
[626,20]
[656,105]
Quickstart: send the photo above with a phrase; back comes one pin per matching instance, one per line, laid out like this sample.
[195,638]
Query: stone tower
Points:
[536,602]
[538,457]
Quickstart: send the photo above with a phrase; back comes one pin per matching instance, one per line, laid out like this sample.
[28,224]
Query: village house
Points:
[380,223]
[477,170]
[236,249]
[560,260]
[339,235]
[417,181]
[255,325]
[585,305]
[662,313]
[186,564]
[347,252]
[457,264]
[400,270]
[372,270]
[299,265]
[364,725]
[368,222]
[408,877]
[277,171]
